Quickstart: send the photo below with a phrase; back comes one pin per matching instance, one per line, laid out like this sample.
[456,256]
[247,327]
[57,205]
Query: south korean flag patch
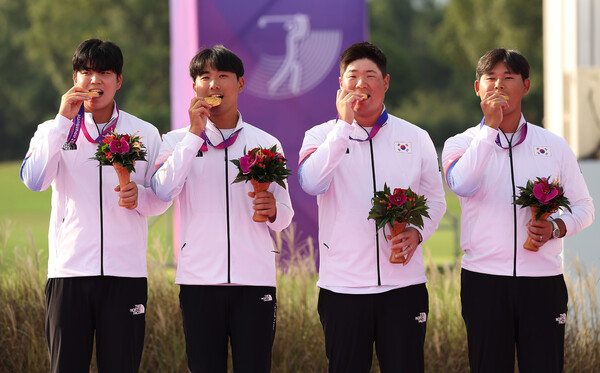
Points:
[542,151]
[403,147]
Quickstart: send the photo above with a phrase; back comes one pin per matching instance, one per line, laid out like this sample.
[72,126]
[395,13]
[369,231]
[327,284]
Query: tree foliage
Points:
[472,27]
[39,38]
[433,47]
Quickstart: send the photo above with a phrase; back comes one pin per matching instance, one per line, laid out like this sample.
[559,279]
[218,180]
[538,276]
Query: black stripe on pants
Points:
[502,313]
[112,307]
[395,321]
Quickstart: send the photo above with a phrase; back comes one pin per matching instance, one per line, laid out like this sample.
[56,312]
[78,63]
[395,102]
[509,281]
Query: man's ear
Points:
[476,86]
[527,85]
[241,83]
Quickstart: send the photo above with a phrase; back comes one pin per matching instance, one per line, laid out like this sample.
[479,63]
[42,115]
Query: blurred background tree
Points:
[432,48]
[38,41]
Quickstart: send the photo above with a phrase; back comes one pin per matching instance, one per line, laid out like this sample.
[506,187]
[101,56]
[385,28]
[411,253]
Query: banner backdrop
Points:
[290,50]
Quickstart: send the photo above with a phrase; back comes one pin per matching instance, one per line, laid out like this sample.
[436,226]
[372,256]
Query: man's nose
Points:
[499,84]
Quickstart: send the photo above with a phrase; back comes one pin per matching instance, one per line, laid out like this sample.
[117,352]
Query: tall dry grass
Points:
[299,343]
[582,340]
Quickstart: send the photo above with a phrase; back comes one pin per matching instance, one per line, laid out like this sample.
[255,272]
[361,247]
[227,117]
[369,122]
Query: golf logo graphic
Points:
[309,56]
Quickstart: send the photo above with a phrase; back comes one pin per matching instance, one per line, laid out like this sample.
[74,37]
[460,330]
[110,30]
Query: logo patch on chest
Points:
[542,151]
[403,147]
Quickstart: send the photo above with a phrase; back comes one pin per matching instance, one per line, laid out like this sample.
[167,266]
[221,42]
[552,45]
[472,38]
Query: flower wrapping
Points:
[122,149]
[262,165]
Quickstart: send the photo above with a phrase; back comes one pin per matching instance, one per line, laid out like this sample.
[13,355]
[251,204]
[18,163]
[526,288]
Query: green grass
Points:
[25,215]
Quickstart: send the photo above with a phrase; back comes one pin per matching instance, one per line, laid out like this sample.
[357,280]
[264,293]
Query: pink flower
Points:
[246,162]
[119,146]
[542,192]
[398,198]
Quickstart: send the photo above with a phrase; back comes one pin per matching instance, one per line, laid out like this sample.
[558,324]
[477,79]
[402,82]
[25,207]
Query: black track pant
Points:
[395,321]
[243,314]
[112,307]
[502,312]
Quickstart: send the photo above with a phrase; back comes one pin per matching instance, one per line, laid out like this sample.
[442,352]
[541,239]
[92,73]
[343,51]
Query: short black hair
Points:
[218,58]
[361,50]
[514,61]
[98,55]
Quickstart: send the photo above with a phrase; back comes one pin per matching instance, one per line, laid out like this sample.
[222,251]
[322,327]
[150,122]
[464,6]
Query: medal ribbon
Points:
[222,145]
[376,127]
[79,124]
[523,135]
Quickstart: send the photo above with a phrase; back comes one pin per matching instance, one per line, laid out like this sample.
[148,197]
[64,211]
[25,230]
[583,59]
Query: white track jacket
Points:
[90,234]
[220,243]
[481,173]
[344,175]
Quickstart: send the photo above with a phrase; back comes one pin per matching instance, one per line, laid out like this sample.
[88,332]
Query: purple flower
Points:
[542,192]
[119,146]
[246,162]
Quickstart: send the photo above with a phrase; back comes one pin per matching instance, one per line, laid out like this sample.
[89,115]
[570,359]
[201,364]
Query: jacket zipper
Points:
[227,211]
[512,178]
[376,231]
[101,227]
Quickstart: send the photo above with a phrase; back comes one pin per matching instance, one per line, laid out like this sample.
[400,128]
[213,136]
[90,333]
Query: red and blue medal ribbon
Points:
[222,145]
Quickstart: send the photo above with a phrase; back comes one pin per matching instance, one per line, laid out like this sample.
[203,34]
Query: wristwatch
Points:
[555,230]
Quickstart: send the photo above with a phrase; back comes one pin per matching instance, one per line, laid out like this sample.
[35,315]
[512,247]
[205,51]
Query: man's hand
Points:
[540,231]
[72,101]
[493,106]
[198,113]
[128,195]
[345,102]
[264,204]
[407,241]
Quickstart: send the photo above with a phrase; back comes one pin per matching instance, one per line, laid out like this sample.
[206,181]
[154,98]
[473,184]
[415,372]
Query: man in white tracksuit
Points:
[97,248]
[363,297]
[226,263]
[512,296]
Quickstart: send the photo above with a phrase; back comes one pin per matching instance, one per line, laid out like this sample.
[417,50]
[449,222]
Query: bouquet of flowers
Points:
[121,151]
[261,167]
[544,198]
[397,210]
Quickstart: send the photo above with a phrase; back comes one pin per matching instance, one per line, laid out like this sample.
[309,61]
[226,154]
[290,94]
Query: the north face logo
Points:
[421,318]
[138,309]
[267,298]
[562,319]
